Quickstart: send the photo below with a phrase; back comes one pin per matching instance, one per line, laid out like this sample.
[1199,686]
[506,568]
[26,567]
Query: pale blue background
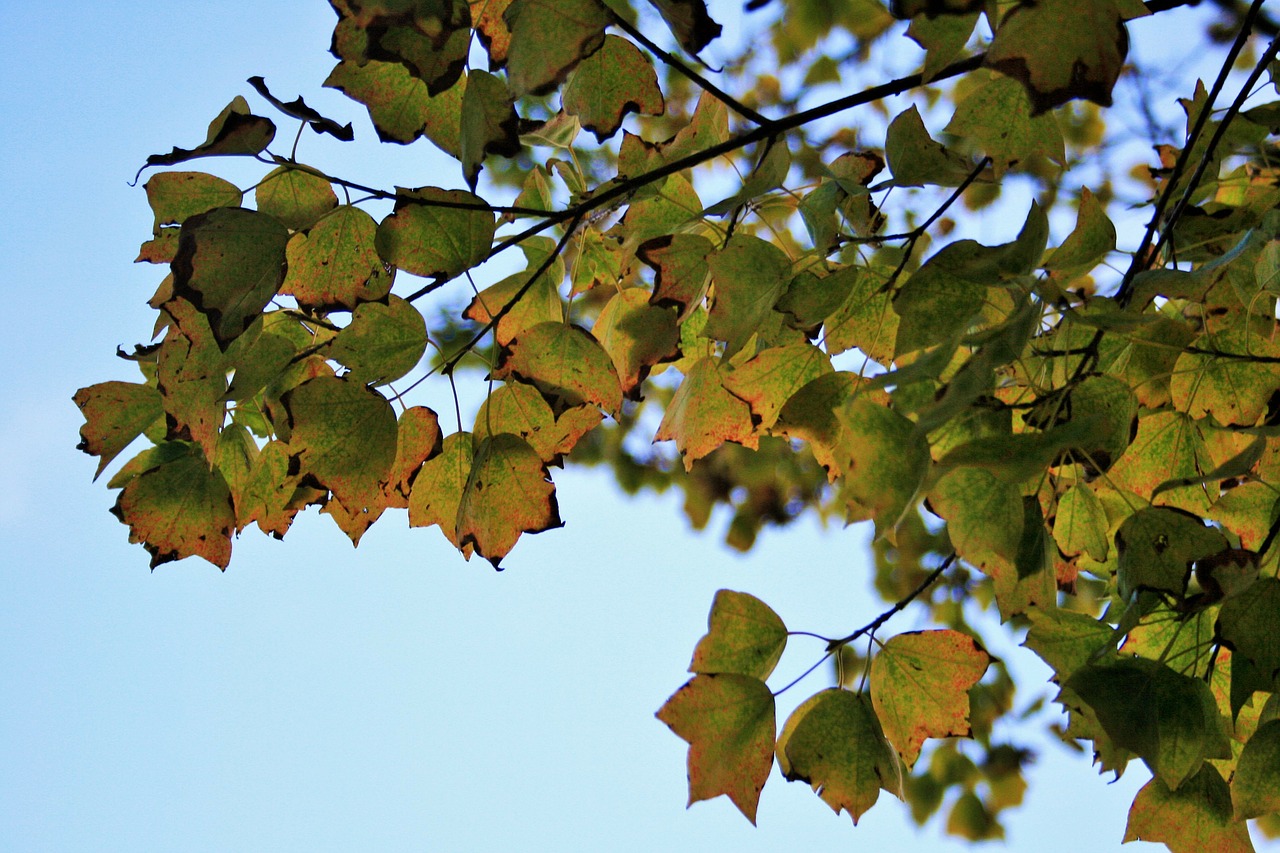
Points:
[320,698]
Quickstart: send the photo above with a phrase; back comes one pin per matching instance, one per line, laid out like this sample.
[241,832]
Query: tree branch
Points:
[874,624]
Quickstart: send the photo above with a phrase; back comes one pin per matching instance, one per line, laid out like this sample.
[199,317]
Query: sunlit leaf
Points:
[566,363]
[615,80]
[548,39]
[508,493]
[295,197]
[704,414]
[336,263]
[1193,818]
[427,238]
[744,636]
[382,342]
[115,413]
[437,489]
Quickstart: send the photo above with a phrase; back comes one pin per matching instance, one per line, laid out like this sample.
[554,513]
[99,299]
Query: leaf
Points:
[833,741]
[566,363]
[427,237]
[508,492]
[744,636]
[235,131]
[679,262]
[689,22]
[1231,391]
[728,722]
[297,108]
[1081,524]
[615,80]
[1168,719]
[703,414]
[177,196]
[1092,240]
[548,39]
[336,264]
[489,124]
[191,376]
[1255,787]
[1168,446]
[915,159]
[1057,63]
[179,508]
[487,17]
[883,462]
[769,378]
[919,687]
[382,342]
[1157,547]
[1066,640]
[343,435]
[1247,626]
[418,439]
[541,303]
[115,413]
[398,103]
[1194,818]
[750,276]
[437,490]
[865,318]
[295,197]
[943,37]
[637,336]
[1000,118]
[229,265]
[520,409]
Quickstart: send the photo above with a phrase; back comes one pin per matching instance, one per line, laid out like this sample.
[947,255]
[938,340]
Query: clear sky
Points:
[316,697]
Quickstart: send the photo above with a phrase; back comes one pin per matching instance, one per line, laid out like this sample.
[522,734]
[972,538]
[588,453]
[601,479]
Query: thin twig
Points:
[888,614]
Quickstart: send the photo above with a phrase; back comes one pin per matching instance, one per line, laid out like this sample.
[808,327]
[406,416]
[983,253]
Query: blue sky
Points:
[314,696]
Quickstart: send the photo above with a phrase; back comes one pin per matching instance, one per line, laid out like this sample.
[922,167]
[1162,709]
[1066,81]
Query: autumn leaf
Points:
[744,636]
[728,721]
[1192,818]
[507,493]
[919,687]
[548,39]
[115,413]
[615,80]
[566,363]
[336,264]
[704,414]
[437,489]
[425,238]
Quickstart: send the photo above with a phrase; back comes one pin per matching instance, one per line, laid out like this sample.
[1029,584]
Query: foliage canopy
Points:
[1077,427]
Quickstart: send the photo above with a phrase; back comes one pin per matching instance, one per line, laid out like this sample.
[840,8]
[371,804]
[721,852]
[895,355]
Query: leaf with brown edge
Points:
[744,636]
[548,39]
[769,378]
[115,413]
[235,131]
[344,436]
[336,264]
[191,376]
[486,17]
[269,492]
[920,687]
[1195,818]
[637,336]
[437,490]
[540,303]
[1057,63]
[703,415]
[615,80]
[230,264]
[180,508]
[418,439]
[508,493]
[435,241]
[398,103]
[750,276]
[489,124]
[689,22]
[296,197]
[679,262]
[566,363]
[355,523]
[728,722]
[834,742]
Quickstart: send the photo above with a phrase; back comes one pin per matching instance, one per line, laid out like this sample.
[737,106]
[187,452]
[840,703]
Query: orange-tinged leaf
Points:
[1234,392]
[703,415]
[679,262]
[418,438]
[344,435]
[920,687]
[549,38]
[728,722]
[517,408]
[335,264]
[486,16]
[355,523]
[540,302]
[608,84]
[508,492]
[437,490]
[743,636]
[191,376]
[566,363]
[1168,446]
[234,131]
[637,336]
[770,378]
[1195,818]
[115,413]
[180,508]
[834,742]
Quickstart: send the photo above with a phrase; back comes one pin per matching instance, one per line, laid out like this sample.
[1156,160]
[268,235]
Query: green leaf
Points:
[1087,246]
[1081,525]
[679,262]
[750,276]
[920,687]
[1157,547]
[383,341]
[508,493]
[1170,720]
[1168,446]
[1057,61]
[179,508]
[1247,625]
[728,722]
[437,490]
[295,197]
[343,435]
[488,125]
[177,196]
[943,37]
[1193,818]
[769,378]
[703,414]
[916,160]
[336,264]
[689,22]
[833,741]
[883,461]
[427,238]
[984,518]
[1255,787]
[1233,391]
[548,39]
[999,117]
[115,413]
[637,336]
[541,302]
[191,376]
[1066,640]
[865,318]
[229,265]
[520,409]
[398,103]
[566,363]
[615,80]
[744,636]
[235,131]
